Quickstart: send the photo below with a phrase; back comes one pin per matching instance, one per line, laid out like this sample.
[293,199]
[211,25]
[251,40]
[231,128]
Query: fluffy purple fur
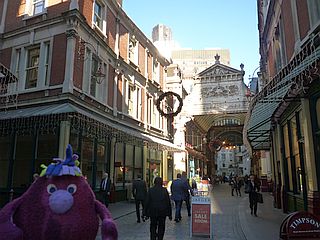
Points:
[31,218]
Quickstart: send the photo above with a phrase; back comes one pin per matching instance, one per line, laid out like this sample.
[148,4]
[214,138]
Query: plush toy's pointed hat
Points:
[68,166]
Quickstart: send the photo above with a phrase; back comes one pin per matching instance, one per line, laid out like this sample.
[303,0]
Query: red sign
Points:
[300,225]
[201,219]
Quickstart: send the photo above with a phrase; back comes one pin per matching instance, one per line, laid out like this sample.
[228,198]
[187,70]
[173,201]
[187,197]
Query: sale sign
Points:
[201,216]
[201,219]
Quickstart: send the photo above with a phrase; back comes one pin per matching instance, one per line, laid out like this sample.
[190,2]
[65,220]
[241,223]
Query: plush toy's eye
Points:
[51,188]
[72,188]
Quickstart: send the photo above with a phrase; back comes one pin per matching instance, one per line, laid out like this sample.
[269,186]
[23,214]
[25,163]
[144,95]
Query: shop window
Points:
[119,166]
[138,161]
[129,164]
[86,161]
[296,154]
[287,154]
[101,163]
[22,162]
[5,148]
[47,150]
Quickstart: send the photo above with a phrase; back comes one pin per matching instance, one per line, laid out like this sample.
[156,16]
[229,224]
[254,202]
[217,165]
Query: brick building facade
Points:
[79,72]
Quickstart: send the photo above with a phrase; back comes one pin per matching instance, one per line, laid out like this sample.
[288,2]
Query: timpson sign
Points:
[301,224]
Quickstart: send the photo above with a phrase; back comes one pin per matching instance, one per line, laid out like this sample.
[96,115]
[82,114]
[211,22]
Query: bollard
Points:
[11,195]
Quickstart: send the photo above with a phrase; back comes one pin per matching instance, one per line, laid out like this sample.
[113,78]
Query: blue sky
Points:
[204,24]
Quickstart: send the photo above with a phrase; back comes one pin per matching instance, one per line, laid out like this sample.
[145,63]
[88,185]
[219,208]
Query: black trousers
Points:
[253,202]
[105,198]
[157,227]
[138,202]
[188,205]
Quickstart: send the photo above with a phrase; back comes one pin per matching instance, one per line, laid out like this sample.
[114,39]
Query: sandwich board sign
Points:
[201,217]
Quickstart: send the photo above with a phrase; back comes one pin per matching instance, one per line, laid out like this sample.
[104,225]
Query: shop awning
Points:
[292,78]
[121,129]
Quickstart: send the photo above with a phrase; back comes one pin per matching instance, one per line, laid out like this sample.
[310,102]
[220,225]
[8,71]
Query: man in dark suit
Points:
[253,189]
[105,186]
[139,192]
[158,207]
[190,192]
[179,191]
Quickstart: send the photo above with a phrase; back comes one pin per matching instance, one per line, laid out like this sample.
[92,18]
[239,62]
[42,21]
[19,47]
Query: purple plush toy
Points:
[59,205]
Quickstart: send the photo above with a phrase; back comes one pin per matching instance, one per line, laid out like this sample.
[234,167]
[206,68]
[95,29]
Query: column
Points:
[69,67]
[64,138]
[310,164]
[165,165]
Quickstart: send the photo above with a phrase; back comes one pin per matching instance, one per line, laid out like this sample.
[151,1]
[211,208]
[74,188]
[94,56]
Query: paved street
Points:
[231,219]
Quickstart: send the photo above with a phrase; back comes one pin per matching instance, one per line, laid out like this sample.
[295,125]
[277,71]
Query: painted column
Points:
[112,158]
[64,138]
[69,67]
[3,18]
[310,164]
[165,165]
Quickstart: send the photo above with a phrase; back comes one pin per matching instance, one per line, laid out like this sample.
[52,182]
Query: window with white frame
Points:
[138,103]
[32,68]
[93,82]
[133,50]
[94,76]
[149,109]
[131,100]
[155,71]
[314,11]
[98,15]
[35,7]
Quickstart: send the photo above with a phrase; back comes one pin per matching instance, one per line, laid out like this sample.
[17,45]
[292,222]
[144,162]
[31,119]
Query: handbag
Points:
[259,198]
[246,188]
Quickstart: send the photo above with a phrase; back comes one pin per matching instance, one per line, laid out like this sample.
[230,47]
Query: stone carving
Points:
[219,71]
[219,91]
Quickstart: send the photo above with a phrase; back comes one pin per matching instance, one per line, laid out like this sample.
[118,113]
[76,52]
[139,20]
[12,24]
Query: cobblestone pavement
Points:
[231,219]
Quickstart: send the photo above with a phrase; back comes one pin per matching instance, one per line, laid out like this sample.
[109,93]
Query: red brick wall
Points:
[111,29]
[142,58]
[14,15]
[288,28]
[124,38]
[78,68]
[16,11]
[5,57]
[1,6]
[58,59]
[303,17]
[85,7]
[271,65]
[149,67]
[161,76]
[119,93]
[56,7]
[111,75]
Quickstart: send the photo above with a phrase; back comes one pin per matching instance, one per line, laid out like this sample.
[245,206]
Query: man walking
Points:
[105,186]
[158,207]
[179,191]
[189,192]
[139,192]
